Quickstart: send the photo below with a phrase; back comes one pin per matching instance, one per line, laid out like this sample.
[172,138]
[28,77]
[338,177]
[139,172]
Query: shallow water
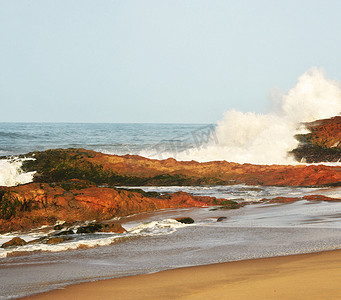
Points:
[258,230]
[242,192]
[167,225]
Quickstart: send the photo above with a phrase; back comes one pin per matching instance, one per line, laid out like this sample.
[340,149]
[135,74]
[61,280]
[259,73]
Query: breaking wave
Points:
[11,173]
[267,138]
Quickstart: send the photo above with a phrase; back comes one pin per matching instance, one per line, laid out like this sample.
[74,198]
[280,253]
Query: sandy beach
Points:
[305,276]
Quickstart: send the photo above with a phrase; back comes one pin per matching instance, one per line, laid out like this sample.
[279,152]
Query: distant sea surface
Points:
[21,138]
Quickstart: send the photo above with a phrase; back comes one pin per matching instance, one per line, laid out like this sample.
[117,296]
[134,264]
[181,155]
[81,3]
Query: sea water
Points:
[113,138]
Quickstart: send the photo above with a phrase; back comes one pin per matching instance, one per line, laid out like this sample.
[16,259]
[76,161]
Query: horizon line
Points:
[67,122]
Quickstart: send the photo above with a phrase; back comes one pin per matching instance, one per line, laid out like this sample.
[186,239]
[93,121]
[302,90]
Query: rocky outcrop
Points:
[131,170]
[322,143]
[36,204]
[308,197]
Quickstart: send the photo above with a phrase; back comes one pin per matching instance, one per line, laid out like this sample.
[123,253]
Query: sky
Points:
[169,61]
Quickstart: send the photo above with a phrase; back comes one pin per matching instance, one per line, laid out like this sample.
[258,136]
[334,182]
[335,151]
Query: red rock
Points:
[322,144]
[117,228]
[42,204]
[326,133]
[57,240]
[14,242]
[137,170]
[320,198]
[293,199]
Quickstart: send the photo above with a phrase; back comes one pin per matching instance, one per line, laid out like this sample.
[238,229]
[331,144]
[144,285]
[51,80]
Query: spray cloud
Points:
[267,138]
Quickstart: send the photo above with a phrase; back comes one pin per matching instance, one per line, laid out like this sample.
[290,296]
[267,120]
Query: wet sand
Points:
[304,276]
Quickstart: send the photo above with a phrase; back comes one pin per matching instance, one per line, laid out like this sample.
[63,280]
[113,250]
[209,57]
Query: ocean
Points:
[20,138]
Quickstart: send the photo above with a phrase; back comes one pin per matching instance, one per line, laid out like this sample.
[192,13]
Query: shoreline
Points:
[302,276]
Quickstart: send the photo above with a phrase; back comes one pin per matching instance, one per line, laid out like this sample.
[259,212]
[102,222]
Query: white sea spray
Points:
[267,138]
[11,173]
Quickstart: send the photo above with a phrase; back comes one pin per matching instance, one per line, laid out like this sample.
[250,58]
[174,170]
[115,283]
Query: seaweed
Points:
[60,165]
[8,206]
[142,192]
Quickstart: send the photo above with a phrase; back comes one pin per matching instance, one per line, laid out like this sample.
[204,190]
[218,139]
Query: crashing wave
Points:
[267,138]
[11,173]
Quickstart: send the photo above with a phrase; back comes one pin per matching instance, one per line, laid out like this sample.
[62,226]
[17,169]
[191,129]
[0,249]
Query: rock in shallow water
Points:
[186,220]
[91,228]
[57,240]
[100,227]
[117,228]
[14,242]
[64,232]
[36,240]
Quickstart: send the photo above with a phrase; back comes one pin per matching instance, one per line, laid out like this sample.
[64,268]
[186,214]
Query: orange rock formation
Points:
[57,165]
[37,204]
[322,144]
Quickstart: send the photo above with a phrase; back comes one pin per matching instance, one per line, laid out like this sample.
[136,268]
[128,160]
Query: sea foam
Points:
[267,138]
[154,228]
[11,173]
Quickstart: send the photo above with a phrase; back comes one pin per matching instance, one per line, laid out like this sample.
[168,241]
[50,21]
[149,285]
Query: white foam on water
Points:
[11,173]
[157,227]
[244,193]
[154,228]
[69,245]
[267,138]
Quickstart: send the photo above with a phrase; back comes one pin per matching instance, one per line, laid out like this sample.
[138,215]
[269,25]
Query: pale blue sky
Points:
[158,61]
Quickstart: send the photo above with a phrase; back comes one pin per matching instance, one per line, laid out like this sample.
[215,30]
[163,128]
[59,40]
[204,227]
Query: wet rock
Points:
[320,198]
[307,197]
[36,240]
[117,228]
[91,228]
[58,227]
[14,242]
[64,232]
[57,240]
[63,225]
[186,220]
[322,143]
[229,204]
[221,219]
